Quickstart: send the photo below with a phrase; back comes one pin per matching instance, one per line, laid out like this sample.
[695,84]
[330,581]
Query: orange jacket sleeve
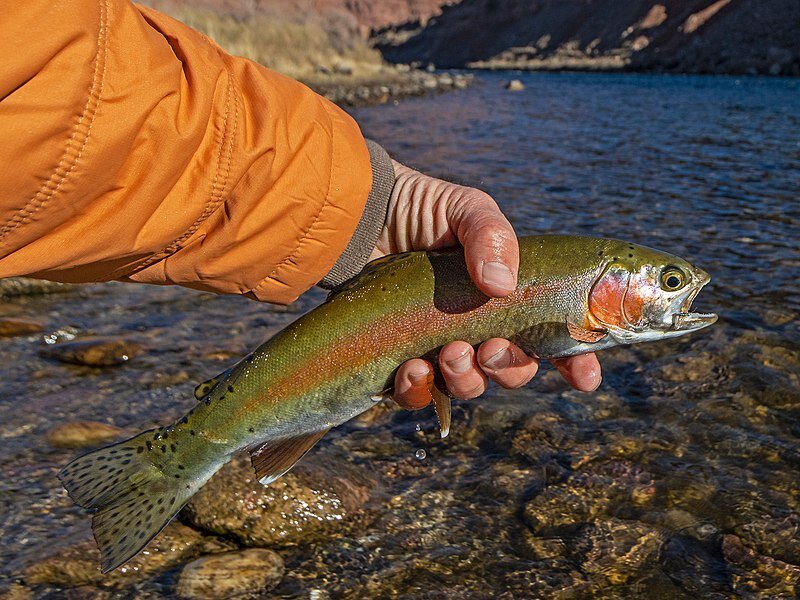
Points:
[134,148]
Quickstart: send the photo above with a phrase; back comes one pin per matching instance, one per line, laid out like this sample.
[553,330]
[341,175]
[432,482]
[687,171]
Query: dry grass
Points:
[301,48]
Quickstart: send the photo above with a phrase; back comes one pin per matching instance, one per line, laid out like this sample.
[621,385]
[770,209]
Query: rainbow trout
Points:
[575,295]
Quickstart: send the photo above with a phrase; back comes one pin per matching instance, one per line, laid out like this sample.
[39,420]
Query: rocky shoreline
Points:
[391,85]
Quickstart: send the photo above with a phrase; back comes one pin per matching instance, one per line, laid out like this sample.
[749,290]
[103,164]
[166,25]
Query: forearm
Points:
[136,149]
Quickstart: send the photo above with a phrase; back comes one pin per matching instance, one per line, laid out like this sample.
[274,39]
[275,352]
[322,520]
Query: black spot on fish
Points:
[191,432]
[164,449]
[630,255]
[172,447]
[184,420]
[230,388]
[180,467]
[177,476]
[127,461]
[149,445]
[251,430]
[140,449]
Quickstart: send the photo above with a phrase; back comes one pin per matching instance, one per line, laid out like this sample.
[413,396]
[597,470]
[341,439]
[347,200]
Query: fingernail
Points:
[417,374]
[498,275]
[499,360]
[460,364]
[599,381]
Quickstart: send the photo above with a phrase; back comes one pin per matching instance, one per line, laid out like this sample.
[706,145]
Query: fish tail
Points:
[133,490]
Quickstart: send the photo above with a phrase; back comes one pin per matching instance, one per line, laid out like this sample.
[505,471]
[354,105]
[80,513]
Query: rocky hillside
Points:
[690,36]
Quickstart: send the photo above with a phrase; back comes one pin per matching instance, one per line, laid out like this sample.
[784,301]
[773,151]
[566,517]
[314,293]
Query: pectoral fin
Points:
[441,403]
[274,458]
[581,334]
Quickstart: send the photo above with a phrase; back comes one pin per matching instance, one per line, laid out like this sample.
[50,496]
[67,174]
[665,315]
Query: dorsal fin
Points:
[273,458]
[204,389]
[371,269]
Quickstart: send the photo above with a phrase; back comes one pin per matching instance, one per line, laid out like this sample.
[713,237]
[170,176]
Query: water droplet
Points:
[420,454]
[417,427]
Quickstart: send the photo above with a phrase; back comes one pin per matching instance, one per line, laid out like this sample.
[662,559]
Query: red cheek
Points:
[606,297]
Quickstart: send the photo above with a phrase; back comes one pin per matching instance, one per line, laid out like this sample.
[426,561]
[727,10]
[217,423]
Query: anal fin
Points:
[275,457]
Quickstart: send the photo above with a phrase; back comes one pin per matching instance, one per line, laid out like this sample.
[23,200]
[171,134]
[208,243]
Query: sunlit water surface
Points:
[677,479]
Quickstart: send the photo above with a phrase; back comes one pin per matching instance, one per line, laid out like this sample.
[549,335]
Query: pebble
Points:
[231,575]
[94,352]
[515,85]
[15,327]
[83,434]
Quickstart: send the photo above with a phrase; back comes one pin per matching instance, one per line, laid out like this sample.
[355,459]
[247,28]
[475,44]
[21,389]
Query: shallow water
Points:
[677,479]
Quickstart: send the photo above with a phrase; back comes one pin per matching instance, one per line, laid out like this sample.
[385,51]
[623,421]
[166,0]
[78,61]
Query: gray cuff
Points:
[361,245]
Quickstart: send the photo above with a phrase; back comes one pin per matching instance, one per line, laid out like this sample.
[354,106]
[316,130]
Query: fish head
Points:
[643,294]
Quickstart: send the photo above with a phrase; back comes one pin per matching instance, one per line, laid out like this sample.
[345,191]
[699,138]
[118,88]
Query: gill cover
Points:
[607,297]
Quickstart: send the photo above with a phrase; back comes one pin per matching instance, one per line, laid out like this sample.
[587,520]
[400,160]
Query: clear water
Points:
[677,479]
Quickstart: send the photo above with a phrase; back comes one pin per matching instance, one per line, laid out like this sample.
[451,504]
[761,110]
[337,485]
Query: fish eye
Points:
[672,279]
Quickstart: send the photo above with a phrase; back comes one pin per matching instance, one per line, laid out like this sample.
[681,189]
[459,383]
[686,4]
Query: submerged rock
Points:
[310,502]
[752,573]
[79,564]
[616,550]
[584,497]
[83,434]
[94,352]
[515,85]
[15,327]
[231,575]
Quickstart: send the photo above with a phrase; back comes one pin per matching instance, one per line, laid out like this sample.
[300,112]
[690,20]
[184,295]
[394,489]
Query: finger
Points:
[460,370]
[506,364]
[582,372]
[490,244]
[411,383]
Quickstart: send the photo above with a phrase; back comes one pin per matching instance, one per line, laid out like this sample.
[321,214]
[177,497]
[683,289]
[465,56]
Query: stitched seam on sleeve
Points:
[76,144]
[218,185]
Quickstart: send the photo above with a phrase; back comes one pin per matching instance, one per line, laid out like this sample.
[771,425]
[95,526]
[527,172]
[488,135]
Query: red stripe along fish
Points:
[575,295]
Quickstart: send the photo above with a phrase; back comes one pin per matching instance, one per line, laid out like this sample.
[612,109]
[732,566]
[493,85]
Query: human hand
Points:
[426,213]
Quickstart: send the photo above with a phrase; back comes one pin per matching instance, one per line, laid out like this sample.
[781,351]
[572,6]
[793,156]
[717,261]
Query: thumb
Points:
[490,245]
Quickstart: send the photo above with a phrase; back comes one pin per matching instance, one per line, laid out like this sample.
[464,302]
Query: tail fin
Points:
[133,493]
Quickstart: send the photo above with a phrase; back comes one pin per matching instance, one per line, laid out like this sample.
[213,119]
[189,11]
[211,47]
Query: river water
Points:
[676,479]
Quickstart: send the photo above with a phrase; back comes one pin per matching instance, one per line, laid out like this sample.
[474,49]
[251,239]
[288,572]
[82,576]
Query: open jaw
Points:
[691,321]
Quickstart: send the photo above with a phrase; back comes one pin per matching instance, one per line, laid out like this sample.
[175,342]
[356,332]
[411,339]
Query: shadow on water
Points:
[676,479]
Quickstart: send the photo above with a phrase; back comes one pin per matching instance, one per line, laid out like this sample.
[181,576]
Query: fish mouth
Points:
[685,320]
